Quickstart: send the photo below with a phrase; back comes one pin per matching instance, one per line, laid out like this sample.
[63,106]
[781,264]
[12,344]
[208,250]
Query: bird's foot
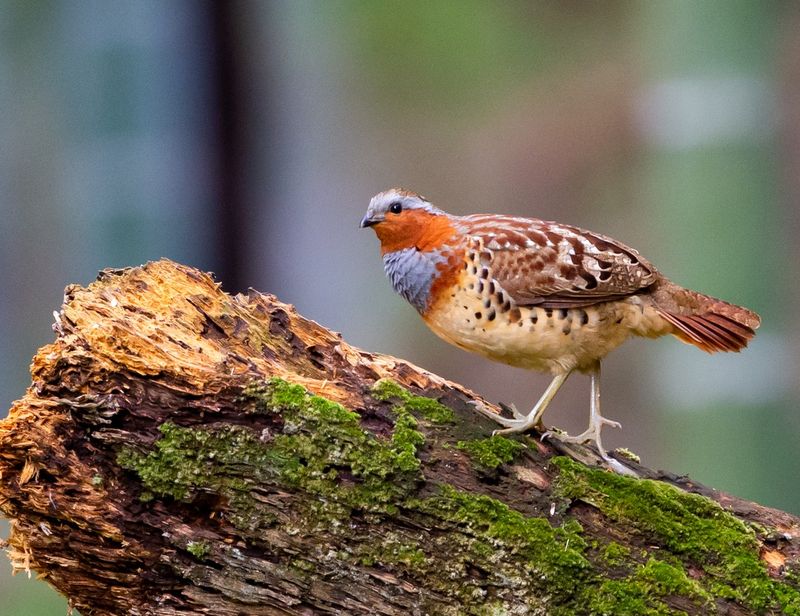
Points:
[591,434]
[516,426]
[515,423]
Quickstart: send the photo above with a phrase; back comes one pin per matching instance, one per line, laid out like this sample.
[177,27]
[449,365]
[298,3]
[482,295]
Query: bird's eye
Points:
[396,207]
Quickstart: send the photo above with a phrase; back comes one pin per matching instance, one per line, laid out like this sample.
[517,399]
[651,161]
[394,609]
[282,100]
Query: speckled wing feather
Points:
[551,265]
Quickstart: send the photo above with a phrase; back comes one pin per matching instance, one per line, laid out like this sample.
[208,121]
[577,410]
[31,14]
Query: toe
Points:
[512,427]
[511,409]
[578,439]
[482,408]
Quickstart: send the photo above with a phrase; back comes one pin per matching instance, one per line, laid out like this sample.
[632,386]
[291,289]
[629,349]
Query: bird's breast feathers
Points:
[418,275]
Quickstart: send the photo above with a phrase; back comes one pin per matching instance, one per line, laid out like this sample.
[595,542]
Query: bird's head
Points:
[403,219]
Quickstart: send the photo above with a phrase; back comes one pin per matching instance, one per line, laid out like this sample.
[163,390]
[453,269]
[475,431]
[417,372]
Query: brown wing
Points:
[556,266]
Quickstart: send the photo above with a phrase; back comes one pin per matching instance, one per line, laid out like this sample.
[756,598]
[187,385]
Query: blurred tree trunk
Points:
[181,451]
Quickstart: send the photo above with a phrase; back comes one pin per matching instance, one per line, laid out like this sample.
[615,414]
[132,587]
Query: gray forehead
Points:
[381,202]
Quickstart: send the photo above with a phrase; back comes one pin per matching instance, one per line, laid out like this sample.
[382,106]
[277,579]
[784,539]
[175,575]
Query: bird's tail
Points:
[706,322]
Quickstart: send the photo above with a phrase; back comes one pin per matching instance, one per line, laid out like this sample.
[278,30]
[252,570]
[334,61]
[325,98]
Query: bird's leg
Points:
[523,423]
[596,420]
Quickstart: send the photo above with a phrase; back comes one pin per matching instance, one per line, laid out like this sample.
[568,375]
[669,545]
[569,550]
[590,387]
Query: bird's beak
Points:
[368,222]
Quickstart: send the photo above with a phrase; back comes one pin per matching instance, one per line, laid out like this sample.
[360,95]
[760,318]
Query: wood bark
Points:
[182,451]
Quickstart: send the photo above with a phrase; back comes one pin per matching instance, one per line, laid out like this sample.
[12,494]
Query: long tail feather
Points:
[712,324]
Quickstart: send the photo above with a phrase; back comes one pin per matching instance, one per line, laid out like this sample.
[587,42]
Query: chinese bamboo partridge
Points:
[539,295]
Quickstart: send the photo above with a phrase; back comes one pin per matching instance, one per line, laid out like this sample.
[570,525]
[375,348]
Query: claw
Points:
[484,410]
[556,432]
[481,408]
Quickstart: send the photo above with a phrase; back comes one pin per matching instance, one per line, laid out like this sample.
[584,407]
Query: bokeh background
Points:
[246,138]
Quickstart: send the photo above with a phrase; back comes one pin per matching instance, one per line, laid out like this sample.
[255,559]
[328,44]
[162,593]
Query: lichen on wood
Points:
[182,451]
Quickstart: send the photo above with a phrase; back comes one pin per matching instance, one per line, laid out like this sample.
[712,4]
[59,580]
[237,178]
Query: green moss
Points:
[405,441]
[615,554]
[792,576]
[432,410]
[693,528]
[664,579]
[626,598]
[387,390]
[490,452]
[334,471]
[495,608]
[301,564]
[184,459]
[335,467]
[556,552]
[393,550]
[198,549]
[319,439]
[644,590]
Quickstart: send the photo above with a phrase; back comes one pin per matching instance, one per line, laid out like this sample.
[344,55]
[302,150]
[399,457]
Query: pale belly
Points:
[483,320]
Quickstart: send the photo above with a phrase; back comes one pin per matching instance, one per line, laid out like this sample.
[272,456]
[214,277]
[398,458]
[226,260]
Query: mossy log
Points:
[182,451]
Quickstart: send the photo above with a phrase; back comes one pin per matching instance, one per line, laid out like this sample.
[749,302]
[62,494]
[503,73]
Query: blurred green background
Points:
[247,137]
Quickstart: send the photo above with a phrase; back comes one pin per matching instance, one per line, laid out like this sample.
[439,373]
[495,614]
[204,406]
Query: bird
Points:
[539,295]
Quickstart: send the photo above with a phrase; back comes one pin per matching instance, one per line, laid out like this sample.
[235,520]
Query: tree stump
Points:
[182,451]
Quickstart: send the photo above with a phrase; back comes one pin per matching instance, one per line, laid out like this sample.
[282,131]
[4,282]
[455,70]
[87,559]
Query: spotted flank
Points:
[479,315]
